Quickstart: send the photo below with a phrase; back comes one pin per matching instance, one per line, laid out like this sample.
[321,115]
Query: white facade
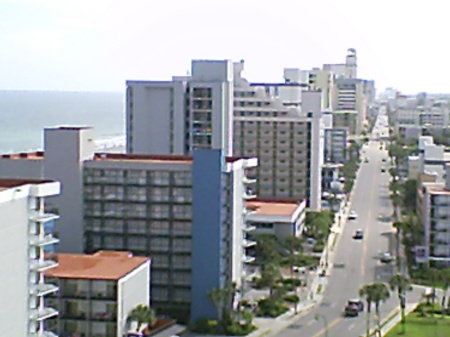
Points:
[22,257]
[279,217]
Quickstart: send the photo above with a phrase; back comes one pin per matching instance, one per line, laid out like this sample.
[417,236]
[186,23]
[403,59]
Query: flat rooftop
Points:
[103,265]
[10,183]
[277,207]
[153,158]
[437,189]
[36,155]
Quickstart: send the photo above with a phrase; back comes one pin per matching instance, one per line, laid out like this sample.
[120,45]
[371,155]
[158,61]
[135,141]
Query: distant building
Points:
[97,292]
[434,210]
[22,258]
[277,216]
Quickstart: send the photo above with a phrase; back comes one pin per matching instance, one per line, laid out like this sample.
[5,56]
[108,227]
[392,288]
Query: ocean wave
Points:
[109,143]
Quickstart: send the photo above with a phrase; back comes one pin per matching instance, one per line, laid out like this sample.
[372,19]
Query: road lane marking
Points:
[311,322]
[332,324]
[351,326]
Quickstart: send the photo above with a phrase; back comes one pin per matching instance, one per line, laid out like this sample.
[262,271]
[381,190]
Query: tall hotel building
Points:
[214,105]
[23,259]
[186,212]
[175,117]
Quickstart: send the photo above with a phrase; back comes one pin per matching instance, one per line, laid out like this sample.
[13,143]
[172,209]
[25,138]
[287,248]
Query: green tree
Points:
[270,274]
[381,294]
[368,293]
[217,297]
[293,245]
[409,192]
[142,314]
[267,248]
[402,284]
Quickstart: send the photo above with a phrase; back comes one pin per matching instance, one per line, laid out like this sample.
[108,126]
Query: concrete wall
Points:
[155,117]
[132,290]
[65,151]
[21,168]
[13,263]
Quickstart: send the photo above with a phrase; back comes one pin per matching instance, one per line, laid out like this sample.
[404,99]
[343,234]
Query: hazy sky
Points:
[98,44]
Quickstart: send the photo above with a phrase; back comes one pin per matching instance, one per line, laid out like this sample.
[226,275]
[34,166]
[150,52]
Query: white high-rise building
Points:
[175,117]
[22,259]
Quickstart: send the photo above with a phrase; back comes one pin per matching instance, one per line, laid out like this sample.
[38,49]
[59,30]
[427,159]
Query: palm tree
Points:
[217,297]
[142,314]
[381,294]
[367,293]
[402,284]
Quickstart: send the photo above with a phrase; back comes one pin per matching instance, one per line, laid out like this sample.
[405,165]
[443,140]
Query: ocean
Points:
[24,115]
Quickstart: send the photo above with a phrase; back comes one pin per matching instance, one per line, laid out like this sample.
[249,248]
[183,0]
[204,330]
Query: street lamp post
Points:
[325,322]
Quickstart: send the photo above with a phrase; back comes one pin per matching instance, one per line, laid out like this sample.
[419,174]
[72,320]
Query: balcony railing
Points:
[108,295]
[103,316]
[42,289]
[248,259]
[248,243]
[43,334]
[43,217]
[42,265]
[40,241]
[41,314]
[79,315]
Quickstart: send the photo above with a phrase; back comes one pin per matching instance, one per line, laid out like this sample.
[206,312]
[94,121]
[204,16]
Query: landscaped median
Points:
[423,322]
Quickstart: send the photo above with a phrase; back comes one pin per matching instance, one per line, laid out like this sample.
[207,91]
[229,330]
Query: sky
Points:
[96,45]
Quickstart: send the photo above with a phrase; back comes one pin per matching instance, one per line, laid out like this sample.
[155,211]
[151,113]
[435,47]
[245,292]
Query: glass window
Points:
[182,228]
[182,194]
[113,242]
[159,227]
[182,245]
[182,211]
[137,226]
[113,225]
[160,178]
[137,242]
[159,244]
[159,211]
[160,194]
[181,278]
[137,193]
[181,261]
[160,260]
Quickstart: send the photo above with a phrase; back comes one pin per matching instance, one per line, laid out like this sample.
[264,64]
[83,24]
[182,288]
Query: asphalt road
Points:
[355,262]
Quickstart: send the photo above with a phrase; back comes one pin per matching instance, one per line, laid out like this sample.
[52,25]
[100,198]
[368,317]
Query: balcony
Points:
[41,314]
[43,334]
[249,195]
[248,243]
[105,296]
[43,217]
[249,227]
[248,259]
[40,241]
[43,289]
[249,181]
[40,266]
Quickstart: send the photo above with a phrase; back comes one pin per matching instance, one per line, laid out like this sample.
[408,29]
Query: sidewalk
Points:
[271,326]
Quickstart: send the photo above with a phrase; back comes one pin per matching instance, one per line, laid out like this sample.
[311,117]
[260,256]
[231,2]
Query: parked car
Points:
[359,234]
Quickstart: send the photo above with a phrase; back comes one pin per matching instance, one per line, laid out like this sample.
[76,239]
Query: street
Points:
[356,262]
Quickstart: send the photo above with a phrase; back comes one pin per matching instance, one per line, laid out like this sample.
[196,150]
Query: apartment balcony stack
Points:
[39,262]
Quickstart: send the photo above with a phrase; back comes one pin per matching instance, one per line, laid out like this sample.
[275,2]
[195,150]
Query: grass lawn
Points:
[417,326]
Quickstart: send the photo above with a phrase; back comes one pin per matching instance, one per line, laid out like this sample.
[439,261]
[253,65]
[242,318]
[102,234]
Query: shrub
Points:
[292,281]
[270,308]
[292,298]
[236,329]
[204,325]
[318,248]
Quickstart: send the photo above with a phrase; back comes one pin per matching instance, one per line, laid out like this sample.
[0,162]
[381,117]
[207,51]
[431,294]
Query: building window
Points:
[160,194]
[113,225]
[182,211]
[159,227]
[137,193]
[183,228]
[114,209]
[113,242]
[137,226]
[182,194]
[160,260]
[159,211]
[160,178]
[159,294]
[181,261]
[182,278]
[182,245]
[159,244]
[137,243]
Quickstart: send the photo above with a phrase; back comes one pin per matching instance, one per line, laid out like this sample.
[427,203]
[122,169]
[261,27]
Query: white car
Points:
[352,215]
